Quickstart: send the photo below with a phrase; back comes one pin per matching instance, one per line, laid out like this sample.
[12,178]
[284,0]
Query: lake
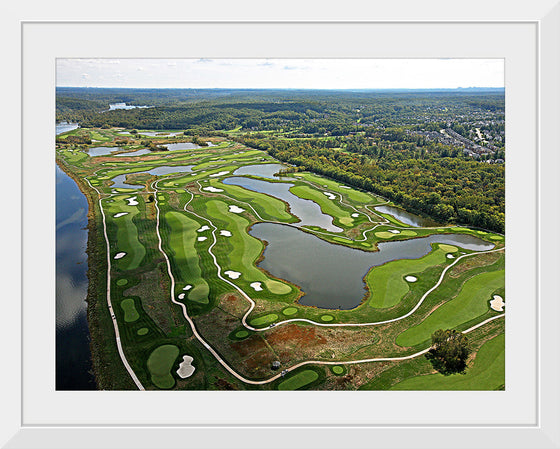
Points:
[308,211]
[331,276]
[63,127]
[73,356]
[262,170]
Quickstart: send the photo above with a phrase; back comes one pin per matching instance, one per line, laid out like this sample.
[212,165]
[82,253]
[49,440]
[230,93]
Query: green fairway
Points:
[328,206]
[353,195]
[182,242]
[487,372]
[263,320]
[160,362]
[127,234]
[130,312]
[386,282]
[471,302]
[289,311]
[298,380]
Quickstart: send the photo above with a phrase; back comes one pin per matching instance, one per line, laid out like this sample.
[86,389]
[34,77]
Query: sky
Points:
[281,73]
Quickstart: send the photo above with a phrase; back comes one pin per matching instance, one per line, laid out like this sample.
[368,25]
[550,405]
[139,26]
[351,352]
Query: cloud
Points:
[290,67]
[85,76]
[203,61]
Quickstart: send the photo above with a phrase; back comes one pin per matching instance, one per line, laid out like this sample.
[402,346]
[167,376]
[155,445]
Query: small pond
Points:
[119,181]
[406,217]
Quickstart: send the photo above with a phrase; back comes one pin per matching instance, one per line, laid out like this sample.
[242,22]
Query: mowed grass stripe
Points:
[386,282]
[487,372]
[471,302]
[298,380]
[182,239]
[353,195]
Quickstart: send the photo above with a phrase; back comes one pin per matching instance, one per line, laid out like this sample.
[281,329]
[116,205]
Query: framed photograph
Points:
[65,59]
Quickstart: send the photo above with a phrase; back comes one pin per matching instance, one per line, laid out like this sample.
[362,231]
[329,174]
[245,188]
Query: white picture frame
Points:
[524,34]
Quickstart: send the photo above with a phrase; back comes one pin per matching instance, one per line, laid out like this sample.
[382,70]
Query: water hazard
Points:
[331,276]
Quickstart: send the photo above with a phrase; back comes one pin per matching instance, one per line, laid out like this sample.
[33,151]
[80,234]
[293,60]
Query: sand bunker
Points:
[212,189]
[410,279]
[185,367]
[236,210]
[330,196]
[132,201]
[219,174]
[355,215]
[181,296]
[204,228]
[225,233]
[120,214]
[232,274]
[257,286]
[450,256]
[119,255]
[394,231]
[497,303]
[187,287]
[201,239]
[345,187]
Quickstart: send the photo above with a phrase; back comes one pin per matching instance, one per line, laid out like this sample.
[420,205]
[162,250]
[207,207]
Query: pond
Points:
[308,211]
[119,181]
[63,127]
[262,170]
[115,106]
[406,217]
[137,153]
[185,146]
[331,276]
[102,151]
[73,356]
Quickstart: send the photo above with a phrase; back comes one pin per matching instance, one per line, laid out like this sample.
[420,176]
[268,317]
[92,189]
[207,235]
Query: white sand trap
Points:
[204,228]
[120,214]
[212,189]
[257,286]
[225,233]
[119,255]
[187,287]
[450,256]
[219,174]
[201,239]
[236,210]
[232,274]
[497,303]
[181,296]
[185,367]
[410,279]
[344,187]
[394,231]
[132,201]
[330,196]
[355,215]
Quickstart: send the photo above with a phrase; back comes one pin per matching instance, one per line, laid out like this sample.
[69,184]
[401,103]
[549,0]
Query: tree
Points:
[449,351]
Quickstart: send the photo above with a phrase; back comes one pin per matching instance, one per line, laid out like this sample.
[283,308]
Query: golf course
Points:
[208,271]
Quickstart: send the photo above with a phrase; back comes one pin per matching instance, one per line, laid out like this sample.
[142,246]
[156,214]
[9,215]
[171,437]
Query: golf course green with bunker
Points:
[175,270]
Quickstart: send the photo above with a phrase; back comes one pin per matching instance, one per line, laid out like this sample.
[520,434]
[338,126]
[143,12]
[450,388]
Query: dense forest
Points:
[438,152]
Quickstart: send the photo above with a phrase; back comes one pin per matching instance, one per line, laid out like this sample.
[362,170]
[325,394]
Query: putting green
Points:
[385,234]
[487,372]
[122,282]
[327,318]
[130,312]
[471,302]
[142,331]
[299,380]
[496,237]
[386,282]
[276,287]
[289,311]
[182,242]
[338,370]
[241,334]
[448,248]
[160,362]
[263,320]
